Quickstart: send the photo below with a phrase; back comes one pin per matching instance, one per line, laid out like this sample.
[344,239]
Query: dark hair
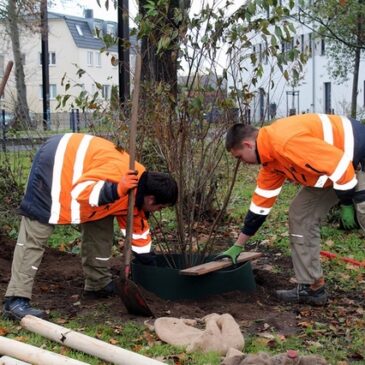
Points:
[162,186]
[237,133]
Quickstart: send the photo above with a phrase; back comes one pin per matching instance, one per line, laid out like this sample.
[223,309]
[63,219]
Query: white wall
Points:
[311,87]
[67,55]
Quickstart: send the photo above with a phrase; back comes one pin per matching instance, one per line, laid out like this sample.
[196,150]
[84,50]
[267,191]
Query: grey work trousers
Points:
[96,245]
[306,213]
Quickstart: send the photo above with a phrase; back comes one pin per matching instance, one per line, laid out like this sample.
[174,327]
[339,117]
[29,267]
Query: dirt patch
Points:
[59,286]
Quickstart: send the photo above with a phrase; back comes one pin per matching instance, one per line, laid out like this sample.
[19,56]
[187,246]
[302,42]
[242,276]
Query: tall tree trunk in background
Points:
[355,83]
[21,108]
[161,67]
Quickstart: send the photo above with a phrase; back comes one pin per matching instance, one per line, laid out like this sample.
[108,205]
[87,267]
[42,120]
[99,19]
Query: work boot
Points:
[108,291]
[303,293]
[18,307]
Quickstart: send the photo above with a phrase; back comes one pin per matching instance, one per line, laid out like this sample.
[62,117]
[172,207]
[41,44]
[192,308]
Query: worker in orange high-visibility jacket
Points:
[325,154]
[82,179]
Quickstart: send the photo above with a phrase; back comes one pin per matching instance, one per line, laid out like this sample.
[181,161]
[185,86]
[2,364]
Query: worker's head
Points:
[241,142]
[156,190]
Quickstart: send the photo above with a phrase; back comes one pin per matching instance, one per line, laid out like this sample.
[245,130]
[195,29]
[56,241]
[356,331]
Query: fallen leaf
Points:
[3,331]
[329,243]
[21,338]
[64,350]
[267,335]
[113,341]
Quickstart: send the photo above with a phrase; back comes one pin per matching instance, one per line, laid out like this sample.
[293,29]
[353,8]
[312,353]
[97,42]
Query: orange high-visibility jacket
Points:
[74,179]
[311,149]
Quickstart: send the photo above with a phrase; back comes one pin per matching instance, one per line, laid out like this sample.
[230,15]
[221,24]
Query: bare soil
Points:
[59,287]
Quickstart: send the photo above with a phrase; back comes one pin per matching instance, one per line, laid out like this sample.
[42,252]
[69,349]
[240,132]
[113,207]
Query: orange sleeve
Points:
[267,190]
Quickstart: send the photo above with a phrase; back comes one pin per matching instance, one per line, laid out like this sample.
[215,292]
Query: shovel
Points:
[129,291]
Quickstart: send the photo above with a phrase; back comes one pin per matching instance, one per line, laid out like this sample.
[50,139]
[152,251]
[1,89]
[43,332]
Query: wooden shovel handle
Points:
[132,156]
[6,77]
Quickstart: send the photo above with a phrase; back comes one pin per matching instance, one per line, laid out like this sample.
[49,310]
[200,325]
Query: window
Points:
[105,91]
[51,58]
[52,91]
[323,47]
[79,30]
[262,103]
[97,59]
[260,52]
[287,46]
[302,45]
[310,44]
[327,98]
[98,29]
[2,60]
[110,29]
[90,59]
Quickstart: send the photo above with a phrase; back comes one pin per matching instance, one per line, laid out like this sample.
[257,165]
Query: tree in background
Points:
[341,24]
[13,14]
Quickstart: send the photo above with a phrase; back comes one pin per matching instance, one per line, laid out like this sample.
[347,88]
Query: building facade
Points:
[73,44]
[315,90]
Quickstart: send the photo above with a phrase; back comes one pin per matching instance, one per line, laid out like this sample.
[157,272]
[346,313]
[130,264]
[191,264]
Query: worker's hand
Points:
[128,181]
[348,217]
[233,252]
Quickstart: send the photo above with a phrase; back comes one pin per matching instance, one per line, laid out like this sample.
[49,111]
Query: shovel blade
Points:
[133,299]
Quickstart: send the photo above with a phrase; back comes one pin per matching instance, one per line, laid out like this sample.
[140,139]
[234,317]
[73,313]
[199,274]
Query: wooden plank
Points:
[217,265]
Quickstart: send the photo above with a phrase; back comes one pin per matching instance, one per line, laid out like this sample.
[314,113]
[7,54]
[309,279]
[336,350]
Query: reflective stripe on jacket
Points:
[314,150]
[74,179]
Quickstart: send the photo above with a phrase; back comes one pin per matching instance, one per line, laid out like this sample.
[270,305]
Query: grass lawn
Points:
[338,333]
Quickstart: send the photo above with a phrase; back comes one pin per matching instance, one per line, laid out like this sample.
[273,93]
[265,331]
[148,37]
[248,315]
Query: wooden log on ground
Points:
[33,354]
[7,360]
[218,265]
[89,345]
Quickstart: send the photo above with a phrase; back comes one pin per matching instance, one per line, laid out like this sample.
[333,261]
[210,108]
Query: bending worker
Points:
[82,179]
[321,152]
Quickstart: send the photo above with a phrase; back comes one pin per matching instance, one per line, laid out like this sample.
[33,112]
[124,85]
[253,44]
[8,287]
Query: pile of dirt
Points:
[59,287]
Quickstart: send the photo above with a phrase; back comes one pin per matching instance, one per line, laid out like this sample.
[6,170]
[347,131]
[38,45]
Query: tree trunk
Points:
[21,108]
[355,82]
[161,67]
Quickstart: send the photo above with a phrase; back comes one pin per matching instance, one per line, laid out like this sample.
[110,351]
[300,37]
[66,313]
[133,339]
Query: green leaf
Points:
[65,98]
[278,32]
[80,72]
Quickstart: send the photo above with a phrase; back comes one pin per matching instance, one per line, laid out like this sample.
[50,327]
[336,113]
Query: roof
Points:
[86,38]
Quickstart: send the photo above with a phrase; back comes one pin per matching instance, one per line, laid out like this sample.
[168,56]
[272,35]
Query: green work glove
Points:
[232,253]
[348,217]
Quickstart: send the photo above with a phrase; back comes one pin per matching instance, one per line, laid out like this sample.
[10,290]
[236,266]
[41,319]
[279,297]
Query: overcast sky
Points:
[76,7]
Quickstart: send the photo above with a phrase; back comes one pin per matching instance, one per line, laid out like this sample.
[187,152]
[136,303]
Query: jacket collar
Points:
[263,147]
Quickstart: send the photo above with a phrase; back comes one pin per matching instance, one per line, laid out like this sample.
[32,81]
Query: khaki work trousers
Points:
[306,213]
[96,245]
